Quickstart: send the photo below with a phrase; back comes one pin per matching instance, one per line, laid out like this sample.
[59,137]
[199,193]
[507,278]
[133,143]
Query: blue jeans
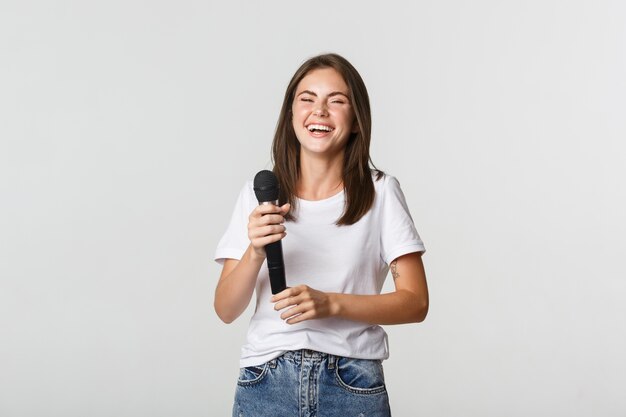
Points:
[306,383]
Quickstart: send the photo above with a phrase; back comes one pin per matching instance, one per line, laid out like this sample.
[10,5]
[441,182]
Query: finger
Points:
[259,228]
[290,296]
[286,293]
[293,300]
[265,209]
[262,231]
[293,311]
[266,240]
[300,318]
[283,299]
[270,219]
[285,208]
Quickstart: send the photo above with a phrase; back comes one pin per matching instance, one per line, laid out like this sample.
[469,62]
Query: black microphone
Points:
[266,190]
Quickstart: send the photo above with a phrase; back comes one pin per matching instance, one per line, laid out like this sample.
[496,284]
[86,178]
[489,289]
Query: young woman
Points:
[316,348]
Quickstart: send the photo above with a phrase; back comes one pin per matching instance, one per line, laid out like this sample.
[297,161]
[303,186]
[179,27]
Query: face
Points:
[323,118]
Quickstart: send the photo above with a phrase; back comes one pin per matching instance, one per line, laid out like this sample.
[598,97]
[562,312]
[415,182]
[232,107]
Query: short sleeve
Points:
[235,240]
[398,234]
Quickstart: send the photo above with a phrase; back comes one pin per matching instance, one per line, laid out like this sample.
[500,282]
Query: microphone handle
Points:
[276,266]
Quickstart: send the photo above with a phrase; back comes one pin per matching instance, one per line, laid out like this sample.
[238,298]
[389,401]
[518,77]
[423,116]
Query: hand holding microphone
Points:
[265,228]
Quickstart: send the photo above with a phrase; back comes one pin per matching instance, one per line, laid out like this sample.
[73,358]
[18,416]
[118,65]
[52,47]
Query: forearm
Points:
[234,291]
[401,306]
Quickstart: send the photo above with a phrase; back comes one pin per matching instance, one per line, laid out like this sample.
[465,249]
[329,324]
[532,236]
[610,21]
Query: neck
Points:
[320,178]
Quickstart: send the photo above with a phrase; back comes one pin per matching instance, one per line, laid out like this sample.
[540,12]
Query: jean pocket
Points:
[360,376]
[251,375]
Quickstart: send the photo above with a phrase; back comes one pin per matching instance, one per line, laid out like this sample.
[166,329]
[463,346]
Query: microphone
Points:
[266,190]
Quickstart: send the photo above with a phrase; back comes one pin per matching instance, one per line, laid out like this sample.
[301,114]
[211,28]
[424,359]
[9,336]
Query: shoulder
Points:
[389,194]
[246,197]
[249,186]
[247,190]
[384,181]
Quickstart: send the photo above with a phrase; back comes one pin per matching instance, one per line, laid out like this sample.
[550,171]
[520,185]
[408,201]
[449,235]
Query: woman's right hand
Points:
[238,278]
[265,226]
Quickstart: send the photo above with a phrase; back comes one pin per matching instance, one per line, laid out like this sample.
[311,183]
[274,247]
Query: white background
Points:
[128,127]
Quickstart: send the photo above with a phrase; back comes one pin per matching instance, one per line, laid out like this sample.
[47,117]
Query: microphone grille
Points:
[266,186]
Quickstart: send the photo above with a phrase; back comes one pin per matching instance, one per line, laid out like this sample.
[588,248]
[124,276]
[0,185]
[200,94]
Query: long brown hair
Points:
[356,175]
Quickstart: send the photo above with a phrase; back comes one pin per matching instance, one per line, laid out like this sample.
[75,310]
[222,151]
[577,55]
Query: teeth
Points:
[319,127]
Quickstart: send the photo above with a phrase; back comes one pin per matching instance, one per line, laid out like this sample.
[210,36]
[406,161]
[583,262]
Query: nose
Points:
[320,110]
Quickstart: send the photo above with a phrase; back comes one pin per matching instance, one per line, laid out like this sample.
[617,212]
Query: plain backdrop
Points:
[127,129]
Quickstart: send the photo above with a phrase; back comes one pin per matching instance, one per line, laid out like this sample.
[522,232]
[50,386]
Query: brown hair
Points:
[357,176]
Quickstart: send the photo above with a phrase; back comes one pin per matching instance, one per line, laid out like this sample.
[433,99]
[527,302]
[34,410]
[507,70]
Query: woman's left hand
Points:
[305,302]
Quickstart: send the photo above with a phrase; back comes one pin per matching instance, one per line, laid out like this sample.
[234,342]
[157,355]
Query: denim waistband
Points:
[309,355]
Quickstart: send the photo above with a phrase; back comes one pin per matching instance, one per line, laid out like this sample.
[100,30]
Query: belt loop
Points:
[331,361]
[273,363]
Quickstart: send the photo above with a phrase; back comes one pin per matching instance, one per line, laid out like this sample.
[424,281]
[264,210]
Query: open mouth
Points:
[319,128]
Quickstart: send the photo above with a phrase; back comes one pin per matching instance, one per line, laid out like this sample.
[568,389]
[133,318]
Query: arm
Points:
[236,285]
[238,278]
[407,304]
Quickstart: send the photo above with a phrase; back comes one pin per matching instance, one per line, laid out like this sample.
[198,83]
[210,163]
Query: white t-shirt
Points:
[343,259]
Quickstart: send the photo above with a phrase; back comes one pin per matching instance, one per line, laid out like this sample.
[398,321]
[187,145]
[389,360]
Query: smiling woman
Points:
[323,80]
[316,348]
[323,118]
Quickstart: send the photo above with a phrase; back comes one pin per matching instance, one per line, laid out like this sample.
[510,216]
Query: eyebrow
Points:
[334,93]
